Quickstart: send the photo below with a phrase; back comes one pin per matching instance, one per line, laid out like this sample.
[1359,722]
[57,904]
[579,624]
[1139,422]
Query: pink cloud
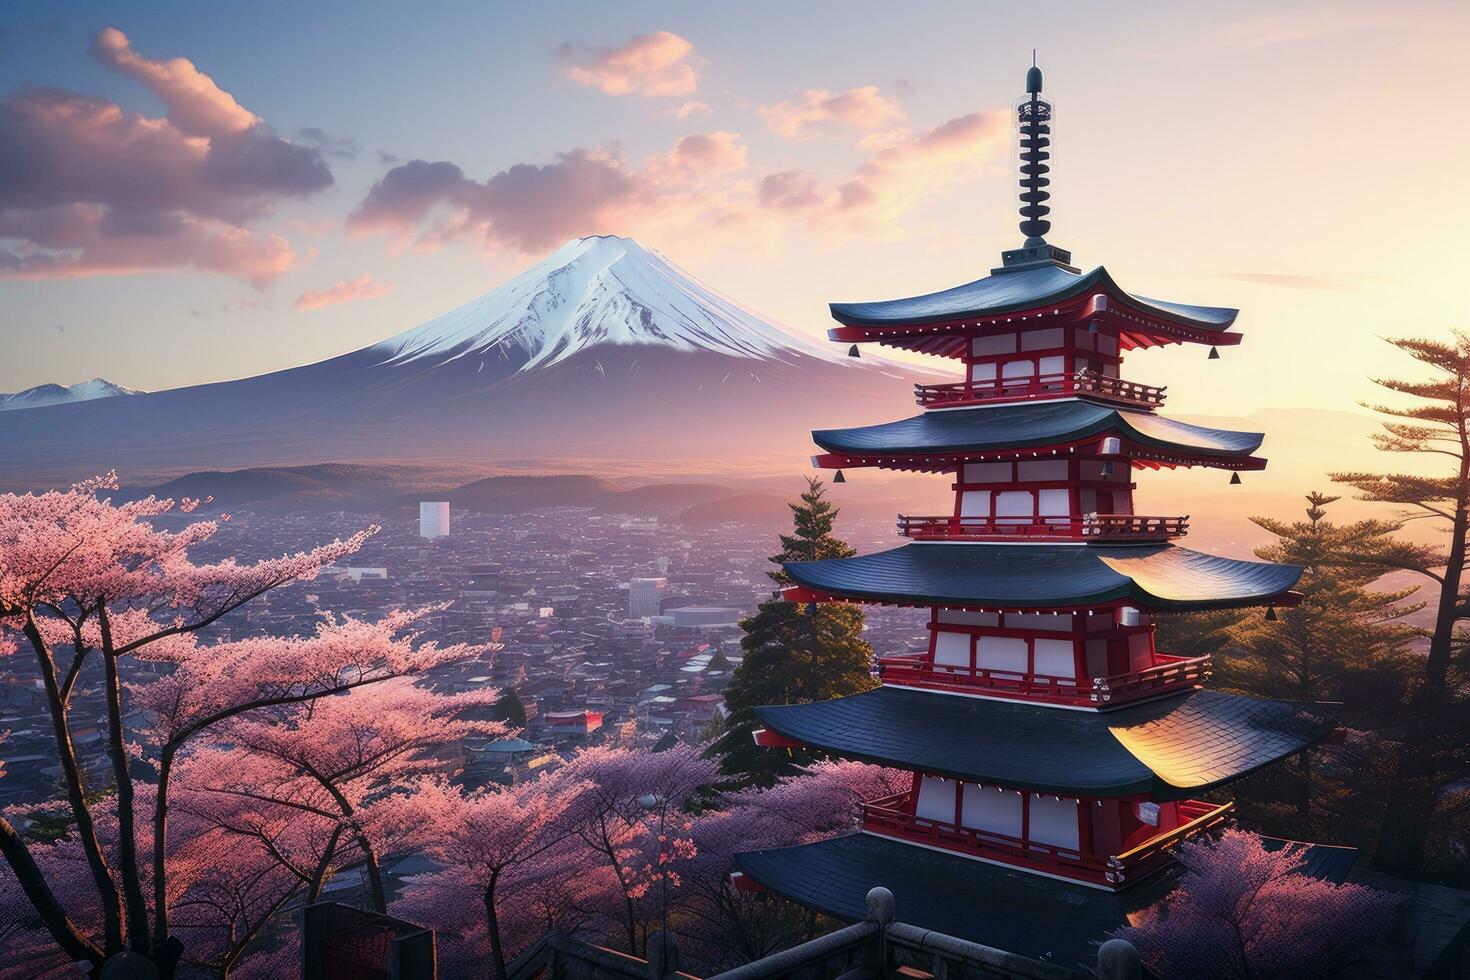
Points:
[700,187]
[346,291]
[903,168]
[650,65]
[858,108]
[73,241]
[87,188]
[528,206]
[698,158]
[196,105]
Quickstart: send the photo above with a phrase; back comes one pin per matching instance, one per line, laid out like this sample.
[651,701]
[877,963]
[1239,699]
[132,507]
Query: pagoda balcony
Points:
[1038,387]
[1090,527]
[893,816]
[1168,675]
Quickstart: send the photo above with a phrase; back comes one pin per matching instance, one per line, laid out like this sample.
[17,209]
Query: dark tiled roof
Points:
[1023,289]
[1024,913]
[1160,576]
[1044,423]
[1012,910]
[1172,748]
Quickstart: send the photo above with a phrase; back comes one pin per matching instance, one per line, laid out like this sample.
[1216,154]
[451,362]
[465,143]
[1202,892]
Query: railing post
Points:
[1118,959]
[881,912]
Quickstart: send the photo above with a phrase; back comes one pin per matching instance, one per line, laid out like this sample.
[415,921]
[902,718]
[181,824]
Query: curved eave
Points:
[1167,749]
[1008,297]
[1053,576]
[1043,428]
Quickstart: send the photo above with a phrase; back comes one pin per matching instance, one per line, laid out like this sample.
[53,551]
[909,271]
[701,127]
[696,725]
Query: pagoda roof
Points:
[1170,748]
[1023,290]
[1027,425]
[1046,576]
[1024,913]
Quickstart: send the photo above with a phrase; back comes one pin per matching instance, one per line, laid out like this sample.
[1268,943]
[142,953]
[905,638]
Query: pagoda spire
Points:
[1033,114]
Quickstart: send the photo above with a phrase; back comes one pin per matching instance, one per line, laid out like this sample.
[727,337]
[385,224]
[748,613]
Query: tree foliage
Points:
[793,652]
[1241,911]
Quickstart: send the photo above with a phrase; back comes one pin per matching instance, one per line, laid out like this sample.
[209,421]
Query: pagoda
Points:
[1057,754]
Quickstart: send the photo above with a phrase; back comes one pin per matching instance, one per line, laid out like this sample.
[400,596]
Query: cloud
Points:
[347,291]
[858,108]
[337,147]
[87,188]
[693,107]
[651,65]
[700,187]
[196,105]
[528,206]
[698,158]
[1291,281]
[903,168]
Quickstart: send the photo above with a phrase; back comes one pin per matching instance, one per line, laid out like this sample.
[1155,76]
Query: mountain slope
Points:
[42,396]
[605,357]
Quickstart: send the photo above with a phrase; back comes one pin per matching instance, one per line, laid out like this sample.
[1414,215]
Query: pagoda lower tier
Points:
[1028,914]
[1096,798]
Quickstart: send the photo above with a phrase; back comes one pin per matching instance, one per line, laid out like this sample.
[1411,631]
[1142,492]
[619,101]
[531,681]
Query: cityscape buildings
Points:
[434,519]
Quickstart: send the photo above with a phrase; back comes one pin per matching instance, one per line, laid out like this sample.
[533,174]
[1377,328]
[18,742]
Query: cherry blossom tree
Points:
[724,926]
[492,842]
[85,581]
[1241,911]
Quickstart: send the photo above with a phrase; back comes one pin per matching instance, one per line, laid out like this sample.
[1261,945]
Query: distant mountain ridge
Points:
[42,396]
[604,357]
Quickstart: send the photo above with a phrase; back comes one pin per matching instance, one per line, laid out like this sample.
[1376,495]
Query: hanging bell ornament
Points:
[1235,479]
[839,478]
[853,351]
[1214,354]
[1270,614]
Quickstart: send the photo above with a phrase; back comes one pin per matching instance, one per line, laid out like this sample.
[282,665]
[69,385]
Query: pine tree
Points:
[793,653]
[1431,751]
[1344,642]
[510,708]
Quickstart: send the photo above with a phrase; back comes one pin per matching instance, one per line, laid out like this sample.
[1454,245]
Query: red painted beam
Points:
[768,739]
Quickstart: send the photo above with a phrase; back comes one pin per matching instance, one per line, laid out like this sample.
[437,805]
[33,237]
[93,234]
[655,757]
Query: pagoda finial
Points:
[1034,117]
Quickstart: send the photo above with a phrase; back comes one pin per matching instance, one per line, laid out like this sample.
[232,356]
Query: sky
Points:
[195,192]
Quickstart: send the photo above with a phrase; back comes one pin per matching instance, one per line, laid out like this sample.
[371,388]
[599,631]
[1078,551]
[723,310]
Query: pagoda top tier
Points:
[1042,295]
[1035,281]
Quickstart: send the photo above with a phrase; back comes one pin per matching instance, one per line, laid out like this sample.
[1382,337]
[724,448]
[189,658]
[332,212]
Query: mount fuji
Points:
[604,356]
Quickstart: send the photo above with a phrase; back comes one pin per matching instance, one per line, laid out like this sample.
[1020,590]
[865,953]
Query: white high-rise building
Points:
[434,519]
[644,595]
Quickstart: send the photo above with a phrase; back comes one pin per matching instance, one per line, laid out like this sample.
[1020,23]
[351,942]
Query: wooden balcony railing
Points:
[1038,387]
[1202,817]
[1168,674]
[1092,527]
[894,816]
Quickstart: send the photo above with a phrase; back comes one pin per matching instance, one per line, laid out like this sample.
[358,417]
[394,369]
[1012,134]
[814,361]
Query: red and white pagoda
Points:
[1057,754]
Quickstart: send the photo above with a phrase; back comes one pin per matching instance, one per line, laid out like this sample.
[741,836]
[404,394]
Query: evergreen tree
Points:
[1431,751]
[1344,642]
[793,652]
[510,708]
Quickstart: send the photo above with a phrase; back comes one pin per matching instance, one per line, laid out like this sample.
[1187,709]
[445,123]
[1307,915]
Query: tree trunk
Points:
[1405,828]
[1436,670]
[160,844]
[492,924]
[127,834]
[38,892]
[86,830]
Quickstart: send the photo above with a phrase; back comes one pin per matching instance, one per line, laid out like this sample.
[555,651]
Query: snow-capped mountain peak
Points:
[598,290]
[54,394]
